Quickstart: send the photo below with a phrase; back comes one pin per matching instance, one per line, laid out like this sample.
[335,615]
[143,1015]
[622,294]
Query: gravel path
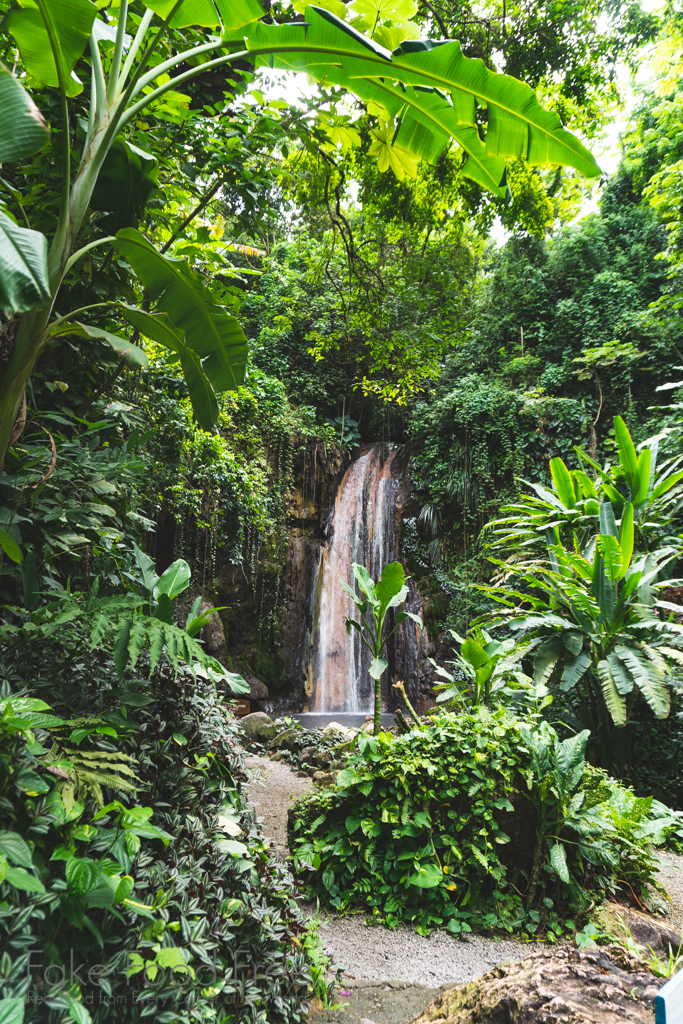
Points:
[671,877]
[374,953]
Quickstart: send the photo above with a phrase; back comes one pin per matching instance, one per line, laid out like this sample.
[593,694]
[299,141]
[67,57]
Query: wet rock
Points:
[307,754]
[257,726]
[324,758]
[289,739]
[601,986]
[622,923]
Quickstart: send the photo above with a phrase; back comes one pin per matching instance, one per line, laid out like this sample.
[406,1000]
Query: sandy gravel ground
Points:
[391,976]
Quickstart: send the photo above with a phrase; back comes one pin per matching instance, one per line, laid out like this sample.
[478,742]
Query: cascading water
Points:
[363,531]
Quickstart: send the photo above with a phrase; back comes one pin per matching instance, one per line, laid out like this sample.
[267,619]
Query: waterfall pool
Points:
[351,719]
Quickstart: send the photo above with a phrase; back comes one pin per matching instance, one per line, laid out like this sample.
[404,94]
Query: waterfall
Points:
[364,531]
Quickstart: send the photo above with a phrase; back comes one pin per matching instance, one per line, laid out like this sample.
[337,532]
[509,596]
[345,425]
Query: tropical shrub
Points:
[473,820]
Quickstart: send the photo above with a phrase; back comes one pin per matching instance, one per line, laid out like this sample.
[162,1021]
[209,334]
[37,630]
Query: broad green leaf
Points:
[378,666]
[12,1010]
[158,327]
[648,678]
[132,356]
[210,331]
[82,874]
[666,484]
[174,581]
[574,671]
[613,699]
[390,587]
[427,876]
[563,482]
[627,452]
[238,13]
[234,847]
[608,524]
[620,674]
[22,127]
[190,12]
[15,849]
[23,880]
[365,582]
[641,477]
[348,777]
[78,1012]
[585,483]
[126,179]
[66,22]
[331,50]
[626,537]
[146,566]
[558,862]
[611,556]
[10,546]
[24,278]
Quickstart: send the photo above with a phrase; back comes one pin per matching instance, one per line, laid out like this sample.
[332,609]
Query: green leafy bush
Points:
[472,820]
[187,912]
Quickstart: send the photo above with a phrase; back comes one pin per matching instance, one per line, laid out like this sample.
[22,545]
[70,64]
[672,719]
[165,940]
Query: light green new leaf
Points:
[23,267]
[627,452]
[23,880]
[22,127]
[238,13]
[174,581]
[626,537]
[390,588]
[563,482]
[558,862]
[641,477]
[10,546]
[613,699]
[190,12]
[158,327]
[365,582]
[210,331]
[12,1010]
[378,666]
[51,36]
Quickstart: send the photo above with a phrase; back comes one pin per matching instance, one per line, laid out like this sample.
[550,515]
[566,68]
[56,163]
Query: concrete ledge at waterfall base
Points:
[351,719]
[669,1002]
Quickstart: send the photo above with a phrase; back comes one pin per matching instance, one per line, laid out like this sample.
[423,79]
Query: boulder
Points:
[307,754]
[621,923]
[256,726]
[333,730]
[289,739]
[345,748]
[597,986]
[324,758]
[323,778]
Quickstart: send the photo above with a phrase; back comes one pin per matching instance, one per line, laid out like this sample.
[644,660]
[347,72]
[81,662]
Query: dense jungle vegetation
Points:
[209,290]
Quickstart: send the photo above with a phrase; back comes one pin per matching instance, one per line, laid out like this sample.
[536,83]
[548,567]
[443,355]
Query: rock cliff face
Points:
[311,526]
[318,474]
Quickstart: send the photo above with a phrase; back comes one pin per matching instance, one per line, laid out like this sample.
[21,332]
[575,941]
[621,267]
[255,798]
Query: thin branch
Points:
[198,209]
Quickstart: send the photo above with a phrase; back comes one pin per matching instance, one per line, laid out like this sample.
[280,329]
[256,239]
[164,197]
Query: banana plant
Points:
[568,511]
[374,603]
[429,93]
[600,623]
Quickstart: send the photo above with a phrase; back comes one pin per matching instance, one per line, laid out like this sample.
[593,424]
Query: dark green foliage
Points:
[200,895]
[446,827]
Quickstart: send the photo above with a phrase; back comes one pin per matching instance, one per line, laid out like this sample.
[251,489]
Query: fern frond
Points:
[101,624]
[137,638]
[156,644]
